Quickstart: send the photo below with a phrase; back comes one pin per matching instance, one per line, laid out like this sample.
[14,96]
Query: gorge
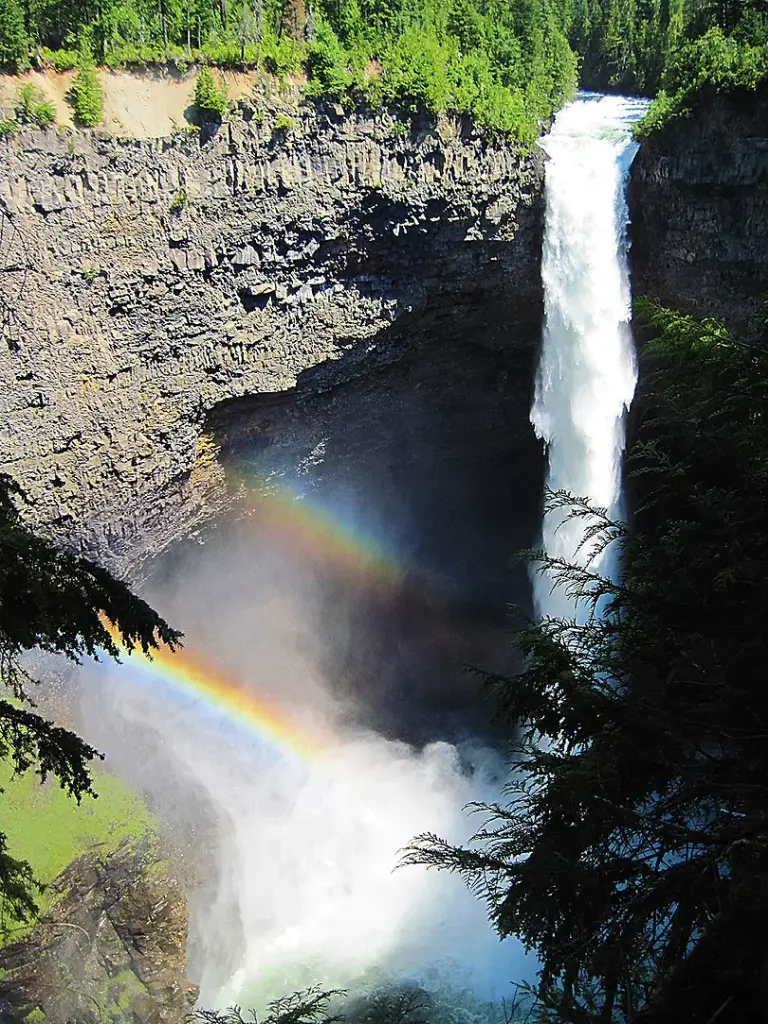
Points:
[335,306]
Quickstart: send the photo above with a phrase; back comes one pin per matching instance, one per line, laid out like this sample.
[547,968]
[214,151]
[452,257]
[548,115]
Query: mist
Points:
[291,859]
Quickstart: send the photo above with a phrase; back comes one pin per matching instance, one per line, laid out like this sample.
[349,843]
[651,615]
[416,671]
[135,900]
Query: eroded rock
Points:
[112,947]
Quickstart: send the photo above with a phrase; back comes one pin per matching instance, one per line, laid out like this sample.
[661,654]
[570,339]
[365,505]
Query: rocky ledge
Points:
[111,948]
[147,281]
[699,206]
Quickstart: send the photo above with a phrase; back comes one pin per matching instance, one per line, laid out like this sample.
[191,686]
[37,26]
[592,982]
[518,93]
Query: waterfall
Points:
[587,375]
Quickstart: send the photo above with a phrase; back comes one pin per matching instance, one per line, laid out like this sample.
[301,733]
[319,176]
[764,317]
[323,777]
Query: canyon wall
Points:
[146,281]
[699,206]
[117,928]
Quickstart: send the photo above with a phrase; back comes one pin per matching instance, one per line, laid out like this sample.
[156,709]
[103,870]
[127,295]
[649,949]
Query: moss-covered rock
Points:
[111,947]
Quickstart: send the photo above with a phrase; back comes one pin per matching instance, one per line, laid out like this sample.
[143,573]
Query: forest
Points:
[508,63]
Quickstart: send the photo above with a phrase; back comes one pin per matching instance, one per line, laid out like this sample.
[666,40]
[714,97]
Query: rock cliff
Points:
[699,206]
[111,948]
[147,281]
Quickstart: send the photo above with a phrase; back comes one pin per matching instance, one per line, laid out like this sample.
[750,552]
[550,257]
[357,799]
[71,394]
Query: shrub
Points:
[60,60]
[284,123]
[210,99]
[179,201]
[31,108]
[327,65]
[281,55]
[8,128]
[87,97]
[14,42]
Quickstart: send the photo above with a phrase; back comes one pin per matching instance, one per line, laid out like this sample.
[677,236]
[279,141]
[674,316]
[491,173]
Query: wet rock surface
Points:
[111,948]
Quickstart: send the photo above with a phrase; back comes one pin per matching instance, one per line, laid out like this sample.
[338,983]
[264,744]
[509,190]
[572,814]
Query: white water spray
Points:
[587,373]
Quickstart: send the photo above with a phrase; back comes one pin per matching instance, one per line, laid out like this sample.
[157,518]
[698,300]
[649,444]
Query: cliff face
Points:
[699,206]
[147,281]
[111,948]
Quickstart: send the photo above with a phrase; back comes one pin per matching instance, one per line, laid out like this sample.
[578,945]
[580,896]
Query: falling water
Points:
[587,374]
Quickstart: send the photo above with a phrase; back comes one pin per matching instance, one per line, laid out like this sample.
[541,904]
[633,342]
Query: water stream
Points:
[587,375]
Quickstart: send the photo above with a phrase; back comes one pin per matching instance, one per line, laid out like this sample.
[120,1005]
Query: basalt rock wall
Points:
[698,200]
[144,282]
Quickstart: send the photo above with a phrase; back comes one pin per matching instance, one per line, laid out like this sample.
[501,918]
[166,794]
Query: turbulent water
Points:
[300,849]
[587,374]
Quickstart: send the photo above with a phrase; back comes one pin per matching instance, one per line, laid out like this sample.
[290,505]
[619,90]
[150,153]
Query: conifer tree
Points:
[59,603]
[632,853]
[13,36]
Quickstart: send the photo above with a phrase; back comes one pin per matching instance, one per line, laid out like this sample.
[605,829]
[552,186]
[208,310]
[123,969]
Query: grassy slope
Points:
[49,829]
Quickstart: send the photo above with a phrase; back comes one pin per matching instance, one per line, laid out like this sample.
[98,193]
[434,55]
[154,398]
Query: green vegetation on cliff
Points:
[54,602]
[669,49]
[48,829]
[633,852]
[507,62]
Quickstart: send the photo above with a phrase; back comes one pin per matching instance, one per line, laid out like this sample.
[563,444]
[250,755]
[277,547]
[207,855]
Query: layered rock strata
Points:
[146,281]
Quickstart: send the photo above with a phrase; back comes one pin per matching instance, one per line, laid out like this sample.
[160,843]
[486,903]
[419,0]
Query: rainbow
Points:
[187,673]
[309,527]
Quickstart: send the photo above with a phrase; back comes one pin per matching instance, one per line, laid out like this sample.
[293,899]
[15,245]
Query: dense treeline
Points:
[510,63]
[506,61]
[633,852]
[640,46]
[670,49]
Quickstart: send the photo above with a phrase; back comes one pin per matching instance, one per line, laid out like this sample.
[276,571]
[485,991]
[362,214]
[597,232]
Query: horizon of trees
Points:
[509,63]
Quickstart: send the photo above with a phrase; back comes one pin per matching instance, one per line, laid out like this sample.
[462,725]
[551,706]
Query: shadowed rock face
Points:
[112,947]
[699,206]
[430,459]
[148,281]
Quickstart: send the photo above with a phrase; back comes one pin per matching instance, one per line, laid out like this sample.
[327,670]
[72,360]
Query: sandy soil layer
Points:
[137,104]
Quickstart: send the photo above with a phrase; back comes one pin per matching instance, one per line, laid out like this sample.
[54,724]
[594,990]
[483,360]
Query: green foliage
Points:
[310,1006]
[48,830]
[506,63]
[674,45]
[632,853]
[714,60]
[91,273]
[210,99]
[389,1002]
[14,41]
[662,110]
[60,60]
[509,66]
[284,123]
[86,94]
[179,201]
[282,55]
[8,128]
[328,65]
[59,603]
[31,108]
